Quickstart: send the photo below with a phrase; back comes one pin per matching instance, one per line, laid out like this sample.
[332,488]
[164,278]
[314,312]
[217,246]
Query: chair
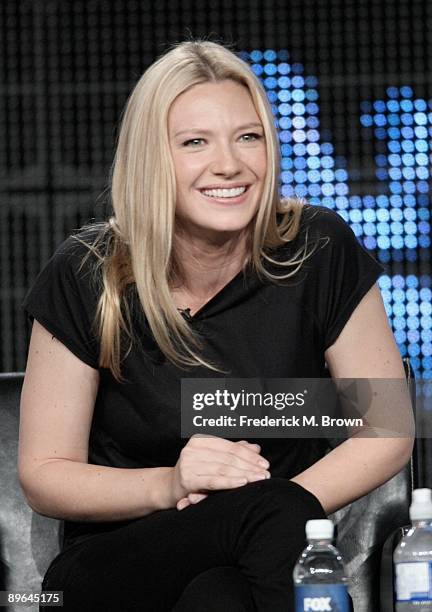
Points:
[29,541]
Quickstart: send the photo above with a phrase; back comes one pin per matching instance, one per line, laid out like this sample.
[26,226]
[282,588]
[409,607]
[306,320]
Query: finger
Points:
[251,445]
[182,503]
[236,455]
[217,467]
[245,450]
[209,483]
[194,498]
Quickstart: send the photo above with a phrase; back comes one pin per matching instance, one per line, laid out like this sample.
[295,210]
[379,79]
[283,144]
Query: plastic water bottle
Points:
[320,581]
[413,558]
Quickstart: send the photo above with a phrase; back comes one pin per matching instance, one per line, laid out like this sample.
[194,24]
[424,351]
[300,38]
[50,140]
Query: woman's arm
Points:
[57,405]
[364,349]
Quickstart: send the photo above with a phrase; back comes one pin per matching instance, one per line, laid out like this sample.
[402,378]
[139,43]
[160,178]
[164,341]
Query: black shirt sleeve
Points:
[64,300]
[344,272]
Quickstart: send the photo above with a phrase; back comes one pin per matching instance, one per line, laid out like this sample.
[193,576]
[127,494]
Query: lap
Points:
[155,558]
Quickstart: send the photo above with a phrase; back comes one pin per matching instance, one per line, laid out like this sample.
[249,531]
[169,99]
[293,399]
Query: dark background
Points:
[67,67]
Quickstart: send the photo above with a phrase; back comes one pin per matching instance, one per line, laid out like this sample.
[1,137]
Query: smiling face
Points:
[219,154]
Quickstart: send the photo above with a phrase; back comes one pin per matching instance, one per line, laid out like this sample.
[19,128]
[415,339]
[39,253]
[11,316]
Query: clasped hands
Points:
[208,463]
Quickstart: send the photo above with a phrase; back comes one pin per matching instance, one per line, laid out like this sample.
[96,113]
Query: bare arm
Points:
[364,349]
[57,405]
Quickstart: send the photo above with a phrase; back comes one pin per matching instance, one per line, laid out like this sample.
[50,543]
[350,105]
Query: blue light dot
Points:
[313,122]
[298,81]
[313,162]
[342,203]
[426,321]
[286,163]
[327,161]
[394,147]
[383,243]
[423,214]
[394,173]
[382,214]
[312,95]
[284,83]
[393,106]
[298,108]
[413,349]
[394,133]
[384,282]
[298,95]
[272,96]
[411,243]
[382,201]
[285,123]
[312,108]
[424,242]
[301,191]
[407,119]
[256,55]
[257,69]
[406,91]
[413,335]
[284,109]
[397,243]
[327,176]
[270,83]
[327,148]
[370,242]
[287,191]
[369,229]
[380,133]
[299,122]
[400,336]
[380,120]
[420,118]
[270,55]
[408,146]
[421,132]
[366,120]
[392,92]
[379,106]
[412,322]
[299,149]
[420,105]
[314,176]
[284,68]
[287,177]
[421,146]
[313,135]
[426,308]
[327,189]
[393,119]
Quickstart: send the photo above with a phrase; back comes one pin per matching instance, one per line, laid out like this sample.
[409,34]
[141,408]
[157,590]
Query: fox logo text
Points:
[317,604]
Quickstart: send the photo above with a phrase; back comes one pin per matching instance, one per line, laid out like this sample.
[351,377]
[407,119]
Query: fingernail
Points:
[258,477]
[264,463]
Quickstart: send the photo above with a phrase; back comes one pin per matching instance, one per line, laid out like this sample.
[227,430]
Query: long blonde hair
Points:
[143,190]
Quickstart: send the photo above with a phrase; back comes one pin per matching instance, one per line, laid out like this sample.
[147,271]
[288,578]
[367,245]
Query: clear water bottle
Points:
[320,581]
[413,558]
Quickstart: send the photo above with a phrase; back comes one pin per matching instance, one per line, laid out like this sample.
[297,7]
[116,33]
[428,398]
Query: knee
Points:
[283,496]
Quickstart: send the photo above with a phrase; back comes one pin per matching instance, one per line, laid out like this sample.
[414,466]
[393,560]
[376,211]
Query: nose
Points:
[226,161]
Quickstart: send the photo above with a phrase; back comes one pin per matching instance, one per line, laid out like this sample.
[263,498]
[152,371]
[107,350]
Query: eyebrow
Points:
[246,126]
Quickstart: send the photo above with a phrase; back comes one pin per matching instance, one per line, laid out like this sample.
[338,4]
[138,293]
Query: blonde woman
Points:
[201,272]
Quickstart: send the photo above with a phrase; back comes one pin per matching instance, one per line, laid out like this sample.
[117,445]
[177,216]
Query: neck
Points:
[204,267]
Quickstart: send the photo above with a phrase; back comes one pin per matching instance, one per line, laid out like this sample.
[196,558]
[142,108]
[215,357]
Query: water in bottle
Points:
[413,558]
[320,581]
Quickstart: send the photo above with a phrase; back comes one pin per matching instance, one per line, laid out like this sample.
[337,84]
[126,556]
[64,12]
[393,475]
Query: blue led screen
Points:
[393,222]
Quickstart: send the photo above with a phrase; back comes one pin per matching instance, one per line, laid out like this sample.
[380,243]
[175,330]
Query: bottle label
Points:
[321,598]
[414,581]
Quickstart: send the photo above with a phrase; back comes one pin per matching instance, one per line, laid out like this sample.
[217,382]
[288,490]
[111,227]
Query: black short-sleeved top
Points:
[252,328]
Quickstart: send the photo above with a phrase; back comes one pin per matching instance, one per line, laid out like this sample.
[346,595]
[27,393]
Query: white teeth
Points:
[224,193]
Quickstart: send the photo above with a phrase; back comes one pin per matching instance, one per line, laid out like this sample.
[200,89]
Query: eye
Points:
[251,137]
[193,142]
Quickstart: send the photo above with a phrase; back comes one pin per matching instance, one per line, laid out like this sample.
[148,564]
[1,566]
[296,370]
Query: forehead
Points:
[226,97]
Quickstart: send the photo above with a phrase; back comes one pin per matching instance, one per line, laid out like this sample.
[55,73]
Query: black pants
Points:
[234,551]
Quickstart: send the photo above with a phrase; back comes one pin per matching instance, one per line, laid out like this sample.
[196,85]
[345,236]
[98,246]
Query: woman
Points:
[201,272]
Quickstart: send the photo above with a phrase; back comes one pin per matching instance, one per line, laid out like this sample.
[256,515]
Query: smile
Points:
[224,193]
